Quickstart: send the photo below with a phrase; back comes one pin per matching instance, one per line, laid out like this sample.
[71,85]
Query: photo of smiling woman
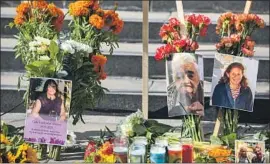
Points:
[232,90]
[49,105]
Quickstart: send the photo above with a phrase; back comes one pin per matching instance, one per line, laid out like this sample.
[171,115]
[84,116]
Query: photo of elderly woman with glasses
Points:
[186,93]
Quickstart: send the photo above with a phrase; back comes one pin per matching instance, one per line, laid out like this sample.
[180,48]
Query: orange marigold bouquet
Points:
[38,24]
[35,18]
[94,27]
[235,31]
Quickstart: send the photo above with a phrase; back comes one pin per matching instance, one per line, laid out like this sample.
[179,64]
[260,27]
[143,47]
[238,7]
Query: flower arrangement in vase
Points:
[176,44]
[235,31]
[94,27]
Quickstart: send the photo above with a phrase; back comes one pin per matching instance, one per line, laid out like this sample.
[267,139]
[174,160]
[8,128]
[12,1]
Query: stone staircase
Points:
[124,67]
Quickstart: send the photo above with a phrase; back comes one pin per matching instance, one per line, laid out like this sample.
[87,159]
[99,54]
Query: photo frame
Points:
[184,98]
[47,111]
[234,82]
[249,151]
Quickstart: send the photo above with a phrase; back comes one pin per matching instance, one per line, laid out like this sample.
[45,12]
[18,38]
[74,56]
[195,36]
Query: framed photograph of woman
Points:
[249,151]
[234,82]
[47,111]
[185,94]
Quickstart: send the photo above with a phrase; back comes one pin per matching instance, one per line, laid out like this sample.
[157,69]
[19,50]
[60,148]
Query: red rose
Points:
[174,22]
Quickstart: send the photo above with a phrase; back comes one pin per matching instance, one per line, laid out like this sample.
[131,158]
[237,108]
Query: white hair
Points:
[180,59]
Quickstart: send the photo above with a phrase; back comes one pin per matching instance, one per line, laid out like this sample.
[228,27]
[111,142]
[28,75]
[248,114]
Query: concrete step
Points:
[127,59]
[191,6]
[126,95]
[132,31]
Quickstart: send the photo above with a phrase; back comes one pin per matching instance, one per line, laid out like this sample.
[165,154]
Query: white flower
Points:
[71,139]
[67,47]
[76,45]
[43,40]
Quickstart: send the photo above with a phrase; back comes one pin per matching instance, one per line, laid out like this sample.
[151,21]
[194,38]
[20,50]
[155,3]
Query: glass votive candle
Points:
[137,153]
[120,149]
[161,141]
[175,153]
[140,140]
[187,150]
[157,154]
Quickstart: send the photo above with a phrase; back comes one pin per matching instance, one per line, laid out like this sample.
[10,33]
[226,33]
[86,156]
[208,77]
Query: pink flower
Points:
[174,22]
[179,43]
[164,51]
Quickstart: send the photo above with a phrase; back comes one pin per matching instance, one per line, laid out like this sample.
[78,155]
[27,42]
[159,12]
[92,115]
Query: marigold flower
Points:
[96,21]
[118,27]
[53,10]
[101,13]
[85,3]
[40,4]
[19,20]
[110,17]
[77,10]
[23,8]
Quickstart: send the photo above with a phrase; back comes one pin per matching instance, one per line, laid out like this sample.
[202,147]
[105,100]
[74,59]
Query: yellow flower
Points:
[4,140]
[10,157]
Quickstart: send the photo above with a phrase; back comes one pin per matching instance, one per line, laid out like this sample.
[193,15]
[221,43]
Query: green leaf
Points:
[11,24]
[229,139]
[216,140]
[149,135]
[139,129]
[4,129]
[53,49]
[11,129]
[8,148]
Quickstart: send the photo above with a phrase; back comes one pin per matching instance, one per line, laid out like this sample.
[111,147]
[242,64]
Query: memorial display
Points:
[63,77]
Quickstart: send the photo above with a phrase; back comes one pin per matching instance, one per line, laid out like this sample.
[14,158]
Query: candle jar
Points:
[120,149]
[162,142]
[140,140]
[157,154]
[187,150]
[175,153]
[137,153]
